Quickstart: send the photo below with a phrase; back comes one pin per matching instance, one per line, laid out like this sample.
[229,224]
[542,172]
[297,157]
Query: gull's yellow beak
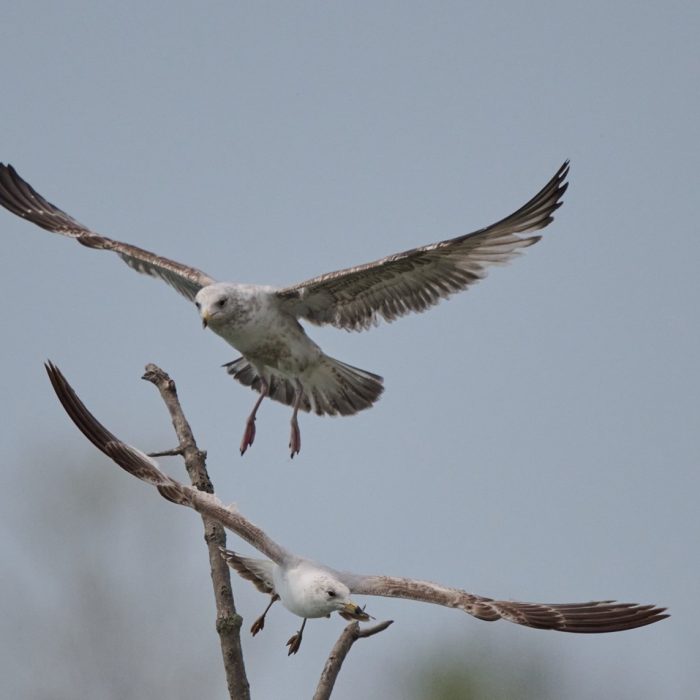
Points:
[205,319]
[352,611]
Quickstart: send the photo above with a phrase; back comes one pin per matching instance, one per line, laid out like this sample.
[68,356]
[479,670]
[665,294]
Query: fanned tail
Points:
[330,388]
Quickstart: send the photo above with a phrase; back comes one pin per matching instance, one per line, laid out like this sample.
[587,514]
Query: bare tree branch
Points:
[228,621]
[338,653]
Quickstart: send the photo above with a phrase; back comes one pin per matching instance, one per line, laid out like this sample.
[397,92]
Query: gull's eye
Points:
[221,303]
[197,304]
[331,594]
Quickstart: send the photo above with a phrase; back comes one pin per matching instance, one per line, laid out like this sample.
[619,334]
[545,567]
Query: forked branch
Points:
[340,650]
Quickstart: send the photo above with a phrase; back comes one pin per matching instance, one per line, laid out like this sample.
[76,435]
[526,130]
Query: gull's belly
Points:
[291,588]
[299,607]
[277,342]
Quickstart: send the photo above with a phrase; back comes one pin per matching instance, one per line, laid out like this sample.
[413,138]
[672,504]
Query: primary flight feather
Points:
[279,359]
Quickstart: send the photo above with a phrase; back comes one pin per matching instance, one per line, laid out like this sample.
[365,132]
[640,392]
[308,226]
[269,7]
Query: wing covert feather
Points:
[357,297]
[19,197]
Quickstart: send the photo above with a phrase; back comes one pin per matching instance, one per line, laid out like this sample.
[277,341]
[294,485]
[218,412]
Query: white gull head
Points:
[218,304]
[309,592]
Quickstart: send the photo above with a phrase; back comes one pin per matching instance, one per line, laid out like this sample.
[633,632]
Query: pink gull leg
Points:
[249,432]
[295,436]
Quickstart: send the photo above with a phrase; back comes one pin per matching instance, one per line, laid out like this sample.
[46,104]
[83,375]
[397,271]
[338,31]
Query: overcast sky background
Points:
[538,438]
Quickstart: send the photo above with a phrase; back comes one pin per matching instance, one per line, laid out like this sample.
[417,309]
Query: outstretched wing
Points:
[129,458]
[145,468]
[593,617]
[22,199]
[257,571]
[417,279]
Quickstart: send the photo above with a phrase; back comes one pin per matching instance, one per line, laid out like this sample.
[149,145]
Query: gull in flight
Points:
[312,590]
[278,359]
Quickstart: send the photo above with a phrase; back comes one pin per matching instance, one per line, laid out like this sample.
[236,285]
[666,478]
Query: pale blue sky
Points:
[538,438]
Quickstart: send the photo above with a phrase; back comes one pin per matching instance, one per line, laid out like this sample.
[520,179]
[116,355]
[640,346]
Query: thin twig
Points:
[228,621]
[175,452]
[338,653]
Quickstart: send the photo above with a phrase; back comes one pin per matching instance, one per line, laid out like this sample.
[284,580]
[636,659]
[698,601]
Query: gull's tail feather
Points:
[336,388]
[257,571]
[330,388]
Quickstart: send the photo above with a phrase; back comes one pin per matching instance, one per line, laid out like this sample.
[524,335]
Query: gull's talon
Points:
[294,643]
[248,435]
[295,440]
[258,625]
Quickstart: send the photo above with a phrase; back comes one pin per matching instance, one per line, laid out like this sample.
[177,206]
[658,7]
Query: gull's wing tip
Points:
[561,175]
[559,179]
[55,374]
[60,384]
[659,613]
[651,616]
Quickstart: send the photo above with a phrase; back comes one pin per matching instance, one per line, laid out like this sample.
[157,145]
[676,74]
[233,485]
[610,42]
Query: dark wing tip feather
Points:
[538,212]
[127,457]
[616,617]
[596,617]
[77,411]
[19,197]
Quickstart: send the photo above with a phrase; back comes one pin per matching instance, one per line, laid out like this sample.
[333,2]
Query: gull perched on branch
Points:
[312,590]
[278,359]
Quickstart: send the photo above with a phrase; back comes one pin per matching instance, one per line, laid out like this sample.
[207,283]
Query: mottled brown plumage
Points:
[355,298]
[19,197]
[279,359]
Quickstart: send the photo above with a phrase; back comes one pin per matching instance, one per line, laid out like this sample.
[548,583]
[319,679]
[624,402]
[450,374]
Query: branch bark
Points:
[338,653]
[228,621]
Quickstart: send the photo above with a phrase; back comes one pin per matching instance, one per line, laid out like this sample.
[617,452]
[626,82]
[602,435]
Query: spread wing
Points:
[257,571]
[22,199]
[146,468]
[593,617]
[417,279]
